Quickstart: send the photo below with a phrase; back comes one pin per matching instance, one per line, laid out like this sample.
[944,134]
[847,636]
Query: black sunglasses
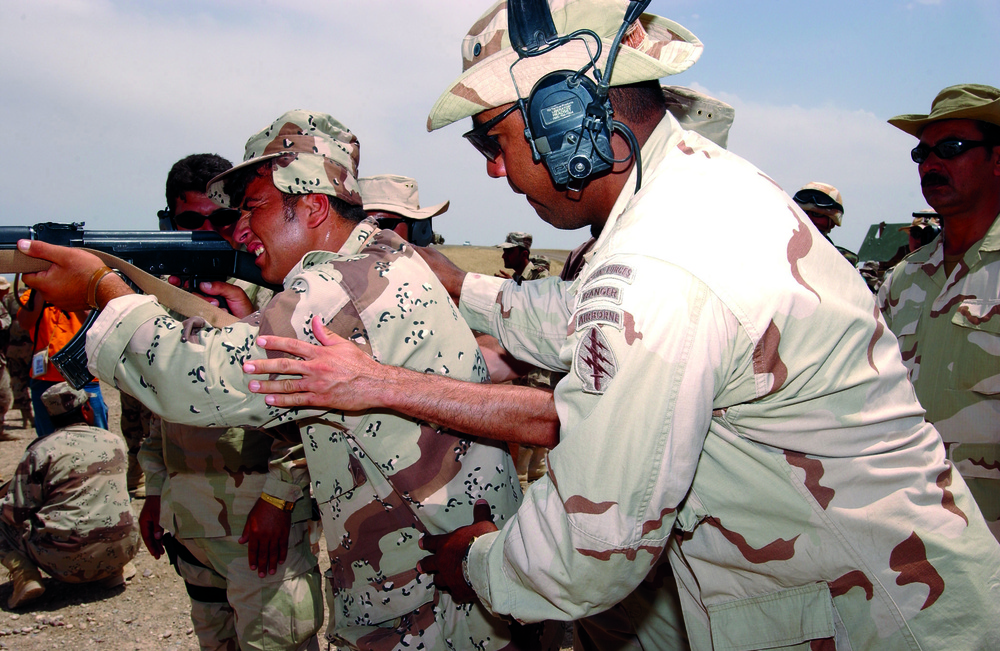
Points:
[816,198]
[946,149]
[190,220]
[488,146]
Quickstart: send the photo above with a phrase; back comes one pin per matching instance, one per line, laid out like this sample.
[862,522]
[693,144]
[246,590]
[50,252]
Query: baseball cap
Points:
[61,399]
[396,194]
[652,48]
[317,155]
[516,238]
[961,102]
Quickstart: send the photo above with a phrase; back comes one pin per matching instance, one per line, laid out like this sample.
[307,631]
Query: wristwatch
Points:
[465,564]
[284,505]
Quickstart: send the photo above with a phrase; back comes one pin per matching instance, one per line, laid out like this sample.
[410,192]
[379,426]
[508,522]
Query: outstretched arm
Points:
[337,375]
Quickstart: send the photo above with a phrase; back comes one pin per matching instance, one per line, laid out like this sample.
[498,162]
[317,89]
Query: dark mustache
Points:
[932,178]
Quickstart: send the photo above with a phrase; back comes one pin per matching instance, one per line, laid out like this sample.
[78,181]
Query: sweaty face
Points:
[270,231]
[532,179]
[960,184]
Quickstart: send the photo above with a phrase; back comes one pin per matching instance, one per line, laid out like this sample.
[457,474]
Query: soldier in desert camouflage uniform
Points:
[381,480]
[736,409]
[943,300]
[6,397]
[66,510]
[824,206]
[517,257]
[204,486]
[18,361]
[394,202]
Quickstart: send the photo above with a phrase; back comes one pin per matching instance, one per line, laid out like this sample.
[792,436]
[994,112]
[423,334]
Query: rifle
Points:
[193,256]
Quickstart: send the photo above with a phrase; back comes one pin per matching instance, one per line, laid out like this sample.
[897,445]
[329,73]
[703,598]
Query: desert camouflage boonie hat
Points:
[516,238]
[396,194]
[317,155]
[961,102]
[652,48]
[61,399]
[833,209]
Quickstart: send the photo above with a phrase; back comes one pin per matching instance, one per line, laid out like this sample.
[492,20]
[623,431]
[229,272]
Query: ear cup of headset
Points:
[570,125]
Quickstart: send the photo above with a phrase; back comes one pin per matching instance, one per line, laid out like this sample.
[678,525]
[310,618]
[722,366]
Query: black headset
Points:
[568,119]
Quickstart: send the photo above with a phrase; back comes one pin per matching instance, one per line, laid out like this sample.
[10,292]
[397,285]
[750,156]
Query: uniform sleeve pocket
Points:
[774,620]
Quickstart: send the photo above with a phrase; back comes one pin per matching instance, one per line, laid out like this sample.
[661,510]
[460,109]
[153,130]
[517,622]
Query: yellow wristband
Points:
[95,280]
[278,502]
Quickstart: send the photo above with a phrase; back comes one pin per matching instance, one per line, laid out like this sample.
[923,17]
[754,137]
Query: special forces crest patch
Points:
[595,362]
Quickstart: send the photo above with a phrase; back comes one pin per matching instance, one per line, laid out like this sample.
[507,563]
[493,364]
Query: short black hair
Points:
[73,417]
[639,102]
[235,186]
[192,174]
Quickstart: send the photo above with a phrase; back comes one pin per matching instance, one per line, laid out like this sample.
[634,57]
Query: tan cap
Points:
[320,156]
[61,399]
[396,194]
[517,238]
[4,284]
[961,102]
[810,197]
[653,48]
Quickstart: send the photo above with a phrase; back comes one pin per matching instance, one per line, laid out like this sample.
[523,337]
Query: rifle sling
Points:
[170,297]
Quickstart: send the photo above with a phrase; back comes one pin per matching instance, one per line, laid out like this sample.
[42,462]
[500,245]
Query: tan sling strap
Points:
[170,297]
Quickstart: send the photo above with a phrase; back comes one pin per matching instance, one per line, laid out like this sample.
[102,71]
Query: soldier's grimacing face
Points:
[270,230]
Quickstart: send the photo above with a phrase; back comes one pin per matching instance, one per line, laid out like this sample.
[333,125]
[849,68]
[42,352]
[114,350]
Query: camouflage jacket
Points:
[208,478]
[949,334]
[755,414]
[69,491]
[381,480]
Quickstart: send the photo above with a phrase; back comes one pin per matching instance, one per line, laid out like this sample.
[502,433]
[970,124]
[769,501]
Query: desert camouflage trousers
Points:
[83,563]
[232,608]
[134,423]
[18,365]
[6,397]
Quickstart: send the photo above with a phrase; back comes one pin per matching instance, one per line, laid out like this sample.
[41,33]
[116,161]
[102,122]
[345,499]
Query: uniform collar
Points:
[359,237]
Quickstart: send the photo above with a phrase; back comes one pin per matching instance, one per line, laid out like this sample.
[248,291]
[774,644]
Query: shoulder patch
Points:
[600,316]
[594,362]
[613,270]
[602,292]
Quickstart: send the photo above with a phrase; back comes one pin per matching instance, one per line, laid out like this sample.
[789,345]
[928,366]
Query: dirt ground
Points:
[151,612]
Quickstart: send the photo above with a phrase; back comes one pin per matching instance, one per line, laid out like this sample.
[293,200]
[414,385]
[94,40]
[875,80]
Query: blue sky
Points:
[100,98]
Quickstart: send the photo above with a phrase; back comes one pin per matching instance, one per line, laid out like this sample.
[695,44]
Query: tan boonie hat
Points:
[710,117]
[61,399]
[4,284]
[834,212]
[652,48]
[961,102]
[319,155]
[396,194]
[516,238]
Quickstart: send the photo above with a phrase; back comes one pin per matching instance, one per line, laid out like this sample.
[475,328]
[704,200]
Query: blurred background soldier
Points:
[66,510]
[394,203]
[6,398]
[542,263]
[825,208]
[18,353]
[925,227]
[516,257]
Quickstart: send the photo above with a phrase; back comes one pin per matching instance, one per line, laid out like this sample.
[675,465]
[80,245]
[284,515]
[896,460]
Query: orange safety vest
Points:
[55,328]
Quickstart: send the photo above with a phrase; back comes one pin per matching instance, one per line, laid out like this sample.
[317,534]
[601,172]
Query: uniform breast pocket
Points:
[774,620]
[977,349]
